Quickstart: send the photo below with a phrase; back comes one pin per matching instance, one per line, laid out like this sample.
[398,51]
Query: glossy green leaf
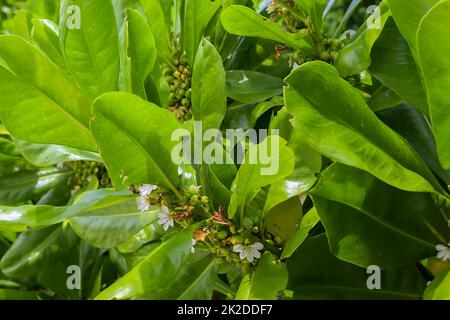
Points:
[348,203]
[439,288]
[383,98]
[407,18]
[253,174]
[143,135]
[110,226]
[90,44]
[21,25]
[269,278]
[45,36]
[18,219]
[194,282]
[415,128]
[8,151]
[251,86]
[159,26]
[209,99]
[244,21]
[25,185]
[33,250]
[141,50]
[309,220]
[43,155]
[315,10]
[355,56]
[197,15]
[314,273]
[54,111]
[433,46]
[335,120]
[154,272]
[394,65]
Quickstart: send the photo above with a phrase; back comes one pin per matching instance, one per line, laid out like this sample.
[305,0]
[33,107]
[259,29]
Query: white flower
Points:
[165,218]
[194,242]
[147,189]
[249,252]
[443,252]
[143,204]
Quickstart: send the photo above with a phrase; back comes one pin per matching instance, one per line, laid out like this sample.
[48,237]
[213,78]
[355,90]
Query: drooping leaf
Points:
[335,120]
[356,208]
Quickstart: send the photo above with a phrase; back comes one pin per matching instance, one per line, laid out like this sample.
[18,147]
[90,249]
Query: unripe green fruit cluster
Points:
[179,79]
[83,171]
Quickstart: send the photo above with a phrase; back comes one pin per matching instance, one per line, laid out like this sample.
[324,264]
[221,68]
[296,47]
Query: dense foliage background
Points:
[93,207]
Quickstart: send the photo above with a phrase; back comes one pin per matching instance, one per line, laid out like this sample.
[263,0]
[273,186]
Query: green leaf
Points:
[439,288]
[34,250]
[315,10]
[8,151]
[92,51]
[395,67]
[21,25]
[18,219]
[433,46]
[110,226]
[316,274]
[209,100]
[44,155]
[253,174]
[355,56]
[55,111]
[159,26]
[301,232]
[155,272]
[244,21]
[348,203]
[12,294]
[383,98]
[26,185]
[269,278]
[251,86]
[143,135]
[194,282]
[197,15]
[45,36]
[408,17]
[141,50]
[334,119]
[415,128]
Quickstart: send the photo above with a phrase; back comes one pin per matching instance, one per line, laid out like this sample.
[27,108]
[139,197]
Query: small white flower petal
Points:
[256,254]
[257,246]
[250,258]
[147,189]
[441,247]
[243,255]
[447,256]
[143,204]
[441,254]
[238,248]
[194,242]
